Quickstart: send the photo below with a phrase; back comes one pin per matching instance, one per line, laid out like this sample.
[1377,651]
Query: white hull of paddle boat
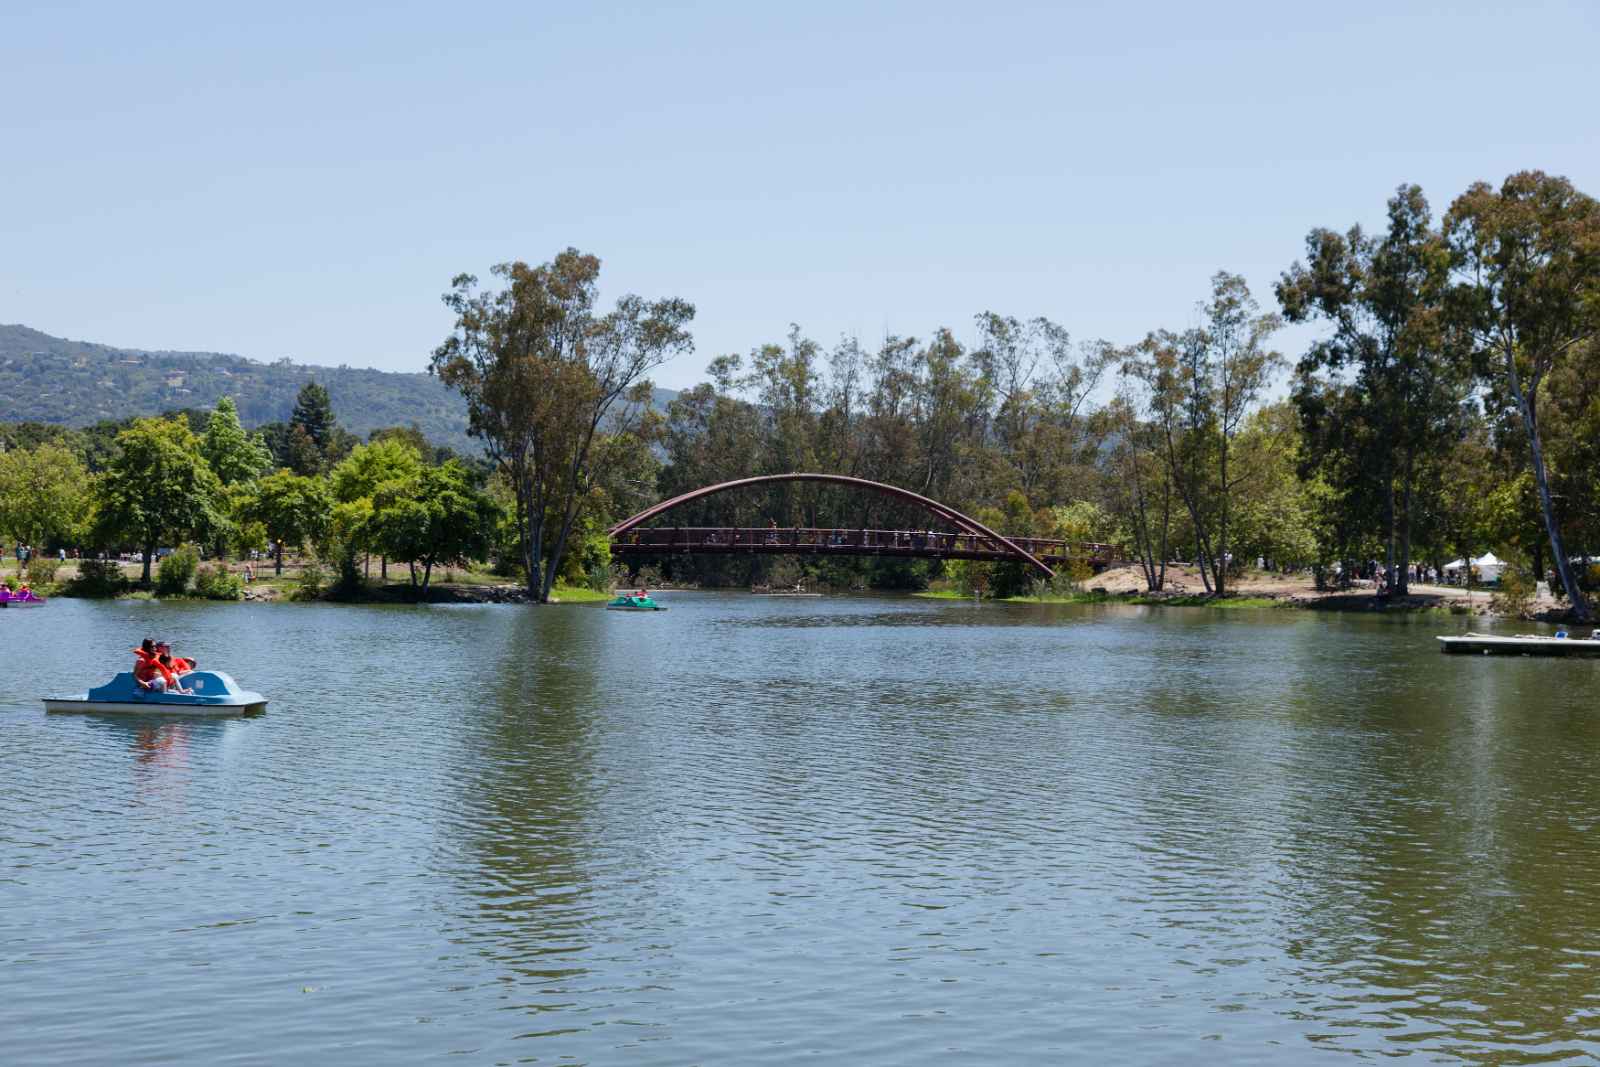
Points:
[1522,645]
[212,693]
[149,707]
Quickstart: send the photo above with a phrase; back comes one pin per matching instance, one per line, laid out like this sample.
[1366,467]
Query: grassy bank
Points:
[571,594]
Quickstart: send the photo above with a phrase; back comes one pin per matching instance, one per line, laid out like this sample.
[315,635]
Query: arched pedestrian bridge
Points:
[970,539]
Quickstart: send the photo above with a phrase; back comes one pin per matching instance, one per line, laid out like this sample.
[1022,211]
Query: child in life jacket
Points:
[176,664]
[150,674]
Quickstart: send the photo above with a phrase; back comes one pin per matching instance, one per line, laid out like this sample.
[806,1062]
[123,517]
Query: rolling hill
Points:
[77,383]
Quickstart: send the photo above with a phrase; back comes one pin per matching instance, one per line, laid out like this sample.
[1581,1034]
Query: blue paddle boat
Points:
[210,693]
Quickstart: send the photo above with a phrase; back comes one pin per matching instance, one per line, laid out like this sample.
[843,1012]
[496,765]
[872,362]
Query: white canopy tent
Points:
[1489,567]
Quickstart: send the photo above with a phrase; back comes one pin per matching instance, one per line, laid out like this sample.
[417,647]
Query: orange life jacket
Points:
[145,668]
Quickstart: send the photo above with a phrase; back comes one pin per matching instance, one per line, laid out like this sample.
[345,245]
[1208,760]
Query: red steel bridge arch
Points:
[967,523]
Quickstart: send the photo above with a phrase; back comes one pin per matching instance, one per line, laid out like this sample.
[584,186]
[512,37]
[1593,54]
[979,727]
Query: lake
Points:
[750,830]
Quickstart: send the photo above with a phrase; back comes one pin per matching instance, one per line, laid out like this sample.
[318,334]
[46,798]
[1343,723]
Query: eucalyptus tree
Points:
[1381,296]
[1039,383]
[1525,298]
[1200,385]
[949,411]
[1140,485]
[540,369]
[1171,368]
[1238,367]
[787,383]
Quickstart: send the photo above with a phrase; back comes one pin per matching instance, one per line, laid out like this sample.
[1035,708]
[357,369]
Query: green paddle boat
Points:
[634,602]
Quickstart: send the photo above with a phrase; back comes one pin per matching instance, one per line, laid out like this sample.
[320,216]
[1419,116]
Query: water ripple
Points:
[888,831]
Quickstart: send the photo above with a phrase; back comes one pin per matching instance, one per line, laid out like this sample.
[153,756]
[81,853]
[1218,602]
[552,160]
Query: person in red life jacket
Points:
[149,673]
[176,664]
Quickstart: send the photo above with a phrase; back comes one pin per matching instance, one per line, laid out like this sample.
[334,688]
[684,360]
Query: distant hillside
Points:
[77,383]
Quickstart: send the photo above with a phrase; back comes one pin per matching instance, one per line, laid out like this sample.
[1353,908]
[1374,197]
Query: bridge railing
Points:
[821,539]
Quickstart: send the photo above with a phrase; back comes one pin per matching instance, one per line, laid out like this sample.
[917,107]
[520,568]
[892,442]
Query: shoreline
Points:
[1264,591]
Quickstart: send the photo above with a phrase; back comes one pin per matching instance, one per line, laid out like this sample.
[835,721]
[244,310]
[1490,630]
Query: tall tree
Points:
[313,413]
[158,489]
[1526,261]
[1200,386]
[435,516]
[1381,296]
[293,508]
[1239,366]
[540,370]
[44,495]
[357,479]
[1140,486]
[1171,368]
[235,456]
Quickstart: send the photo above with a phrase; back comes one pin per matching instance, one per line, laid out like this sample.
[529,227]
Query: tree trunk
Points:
[149,550]
[1222,527]
[427,574]
[1389,519]
[1408,479]
[1580,606]
[1166,528]
[383,568]
[279,558]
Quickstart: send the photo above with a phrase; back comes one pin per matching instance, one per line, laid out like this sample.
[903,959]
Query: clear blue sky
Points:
[302,180]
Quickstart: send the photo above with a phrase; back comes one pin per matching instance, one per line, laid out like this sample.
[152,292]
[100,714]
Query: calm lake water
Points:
[883,831]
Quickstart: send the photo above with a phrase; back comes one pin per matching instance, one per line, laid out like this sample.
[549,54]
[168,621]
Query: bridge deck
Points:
[792,540]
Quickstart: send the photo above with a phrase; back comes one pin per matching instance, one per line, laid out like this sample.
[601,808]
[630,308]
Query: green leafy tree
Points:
[235,456]
[159,489]
[370,466]
[294,509]
[357,478]
[1526,259]
[45,496]
[1381,296]
[435,515]
[540,371]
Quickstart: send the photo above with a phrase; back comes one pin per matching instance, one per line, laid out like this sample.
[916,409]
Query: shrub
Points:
[1515,592]
[177,571]
[41,571]
[215,581]
[97,578]
[313,581]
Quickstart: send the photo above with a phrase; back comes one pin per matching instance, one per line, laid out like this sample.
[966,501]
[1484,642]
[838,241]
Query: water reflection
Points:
[861,830]
[528,801]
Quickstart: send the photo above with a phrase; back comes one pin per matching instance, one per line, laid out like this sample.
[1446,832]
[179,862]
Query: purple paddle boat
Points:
[22,598]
